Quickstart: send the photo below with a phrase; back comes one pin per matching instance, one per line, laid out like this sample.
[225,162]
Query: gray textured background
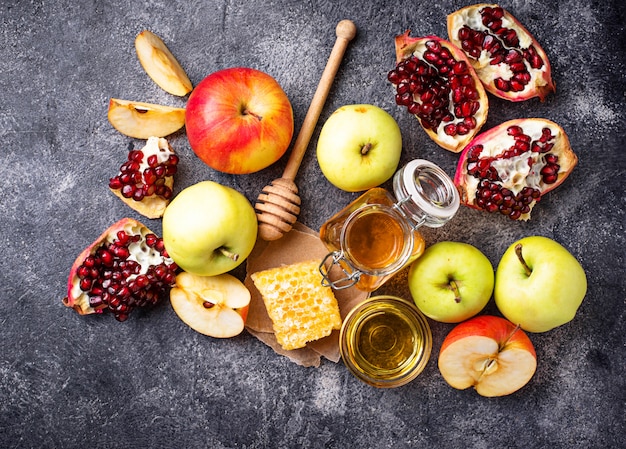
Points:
[76,382]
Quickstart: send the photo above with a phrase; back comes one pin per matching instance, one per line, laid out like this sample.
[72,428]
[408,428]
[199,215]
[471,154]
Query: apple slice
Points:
[216,306]
[161,65]
[488,353]
[143,120]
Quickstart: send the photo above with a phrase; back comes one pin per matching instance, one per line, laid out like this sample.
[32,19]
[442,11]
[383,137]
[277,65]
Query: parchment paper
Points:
[299,245]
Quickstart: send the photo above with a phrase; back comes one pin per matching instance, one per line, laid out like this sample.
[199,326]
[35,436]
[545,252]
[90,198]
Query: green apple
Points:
[539,284]
[359,147]
[209,229]
[451,281]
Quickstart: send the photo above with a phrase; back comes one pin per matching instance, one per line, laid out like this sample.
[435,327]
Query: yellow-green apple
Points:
[143,120]
[209,228]
[216,306]
[239,120]
[488,353]
[451,281]
[539,284]
[359,147]
[161,65]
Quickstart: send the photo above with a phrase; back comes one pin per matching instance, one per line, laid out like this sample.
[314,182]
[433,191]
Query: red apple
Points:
[239,120]
[488,353]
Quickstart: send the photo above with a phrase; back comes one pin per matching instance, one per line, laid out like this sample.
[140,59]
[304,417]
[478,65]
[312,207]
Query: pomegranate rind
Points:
[142,120]
[406,46]
[541,83]
[161,65]
[78,299]
[497,140]
[150,206]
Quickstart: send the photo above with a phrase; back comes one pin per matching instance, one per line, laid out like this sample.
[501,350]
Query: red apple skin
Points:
[239,120]
[490,326]
[515,355]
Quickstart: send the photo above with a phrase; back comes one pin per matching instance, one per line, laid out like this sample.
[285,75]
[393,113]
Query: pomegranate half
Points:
[508,168]
[507,58]
[437,84]
[124,268]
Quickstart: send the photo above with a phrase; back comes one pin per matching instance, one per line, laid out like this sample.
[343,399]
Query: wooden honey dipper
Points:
[278,205]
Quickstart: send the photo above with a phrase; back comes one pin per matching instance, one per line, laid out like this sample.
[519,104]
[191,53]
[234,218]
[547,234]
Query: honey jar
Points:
[385,341]
[377,234]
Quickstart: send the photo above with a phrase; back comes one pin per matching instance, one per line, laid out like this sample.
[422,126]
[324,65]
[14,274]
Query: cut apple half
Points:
[488,353]
[216,306]
[144,120]
[161,65]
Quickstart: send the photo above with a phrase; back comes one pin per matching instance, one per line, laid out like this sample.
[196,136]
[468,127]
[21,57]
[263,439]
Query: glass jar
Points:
[377,234]
[385,341]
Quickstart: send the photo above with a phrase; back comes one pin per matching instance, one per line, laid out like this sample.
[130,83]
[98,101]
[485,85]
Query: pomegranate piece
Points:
[146,179]
[507,169]
[126,267]
[437,84]
[507,58]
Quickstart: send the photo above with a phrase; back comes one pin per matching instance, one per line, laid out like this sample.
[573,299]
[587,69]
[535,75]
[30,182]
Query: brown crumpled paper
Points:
[298,245]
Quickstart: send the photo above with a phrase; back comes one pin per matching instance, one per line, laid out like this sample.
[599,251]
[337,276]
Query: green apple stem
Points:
[518,252]
[455,290]
[366,148]
[229,254]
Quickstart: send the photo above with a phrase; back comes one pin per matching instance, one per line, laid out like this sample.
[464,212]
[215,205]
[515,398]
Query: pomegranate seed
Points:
[120,252]
[125,178]
[152,160]
[510,38]
[502,84]
[135,155]
[450,129]
[513,56]
[517,67]
[115,183]
[127,191]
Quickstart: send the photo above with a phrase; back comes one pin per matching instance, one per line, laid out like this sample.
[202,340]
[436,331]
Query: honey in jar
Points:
[385,341]
[377,234]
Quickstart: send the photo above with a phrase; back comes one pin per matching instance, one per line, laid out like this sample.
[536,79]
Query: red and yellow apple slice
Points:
[143,120]
[160,65]
[216,306]
[488,353]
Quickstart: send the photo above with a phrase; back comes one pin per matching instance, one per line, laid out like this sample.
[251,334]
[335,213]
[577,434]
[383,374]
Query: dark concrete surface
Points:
[68,381]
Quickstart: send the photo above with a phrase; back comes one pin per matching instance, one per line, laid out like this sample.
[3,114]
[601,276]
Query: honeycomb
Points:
[301,309]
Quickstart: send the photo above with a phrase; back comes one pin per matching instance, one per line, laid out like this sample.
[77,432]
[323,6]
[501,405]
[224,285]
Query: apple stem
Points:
[246,111]
[230,255]
[518,327]
[455,290]
[366,148]
[518,252]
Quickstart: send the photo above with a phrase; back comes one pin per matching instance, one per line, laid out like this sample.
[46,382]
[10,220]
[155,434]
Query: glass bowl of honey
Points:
[385,341]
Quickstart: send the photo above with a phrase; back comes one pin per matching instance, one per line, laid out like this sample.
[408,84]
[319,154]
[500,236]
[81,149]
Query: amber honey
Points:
[375,239]
[385,341]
